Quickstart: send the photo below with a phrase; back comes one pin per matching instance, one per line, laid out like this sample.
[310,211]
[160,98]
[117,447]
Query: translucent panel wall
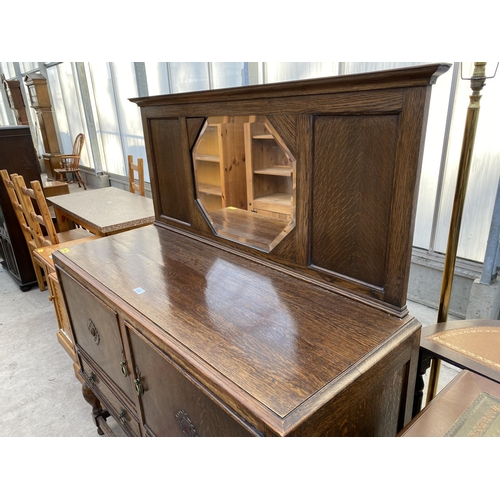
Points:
[228,74]
[67,107]
[157,78]
[432,160]
[484,173]
[107,125]
[189,76]
[6,114]
[129,115]
[279,71]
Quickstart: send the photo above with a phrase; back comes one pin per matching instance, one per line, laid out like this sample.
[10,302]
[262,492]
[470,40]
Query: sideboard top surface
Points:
[278,338]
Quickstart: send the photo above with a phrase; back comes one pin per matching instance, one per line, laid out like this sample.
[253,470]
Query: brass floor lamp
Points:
[478,81]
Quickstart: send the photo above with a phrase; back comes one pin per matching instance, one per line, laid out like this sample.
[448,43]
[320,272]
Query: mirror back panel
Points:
[318,178]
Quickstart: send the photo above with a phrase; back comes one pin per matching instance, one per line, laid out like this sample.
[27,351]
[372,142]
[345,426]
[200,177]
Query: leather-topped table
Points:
[469,406]
[470,344]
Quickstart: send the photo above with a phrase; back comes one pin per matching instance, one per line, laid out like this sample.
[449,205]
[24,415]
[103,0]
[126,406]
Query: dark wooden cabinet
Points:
[219,321]
[17,155]
[16,102]
[39,96]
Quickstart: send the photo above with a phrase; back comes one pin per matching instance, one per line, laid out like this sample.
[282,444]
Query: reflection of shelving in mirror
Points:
[244,176]
[206,161]
[219,164]
[269,171]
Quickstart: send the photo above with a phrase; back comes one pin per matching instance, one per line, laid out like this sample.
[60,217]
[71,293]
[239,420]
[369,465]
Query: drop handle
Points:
[139,389]
[92,378]
[122,416]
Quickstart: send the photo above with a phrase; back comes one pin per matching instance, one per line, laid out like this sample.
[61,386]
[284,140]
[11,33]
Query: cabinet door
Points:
[173,403]
[96,331]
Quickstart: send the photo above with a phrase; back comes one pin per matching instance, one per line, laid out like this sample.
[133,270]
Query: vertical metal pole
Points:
[477,83]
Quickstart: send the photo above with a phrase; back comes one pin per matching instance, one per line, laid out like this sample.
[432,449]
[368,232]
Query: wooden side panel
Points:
[375,404]
[354,158]
[169,169]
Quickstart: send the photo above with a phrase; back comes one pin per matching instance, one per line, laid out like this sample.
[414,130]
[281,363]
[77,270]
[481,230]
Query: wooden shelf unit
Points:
[269,172]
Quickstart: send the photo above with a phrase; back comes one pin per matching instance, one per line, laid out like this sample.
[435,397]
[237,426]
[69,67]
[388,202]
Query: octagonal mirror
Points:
[245,180]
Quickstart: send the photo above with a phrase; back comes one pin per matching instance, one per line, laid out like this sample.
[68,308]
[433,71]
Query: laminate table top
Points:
[103,211]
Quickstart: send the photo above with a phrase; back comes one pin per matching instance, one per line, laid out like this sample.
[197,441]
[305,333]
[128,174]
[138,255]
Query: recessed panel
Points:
[169,168]
[352,194]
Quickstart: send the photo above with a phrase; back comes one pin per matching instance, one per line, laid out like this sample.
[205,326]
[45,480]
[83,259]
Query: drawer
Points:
[119,410]
[173,403]
[96,331]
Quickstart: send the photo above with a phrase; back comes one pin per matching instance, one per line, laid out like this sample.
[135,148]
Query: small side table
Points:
[472,345]
[469,406]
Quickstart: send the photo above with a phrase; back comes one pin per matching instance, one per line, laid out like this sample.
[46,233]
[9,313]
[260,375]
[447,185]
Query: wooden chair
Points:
[38,225]
[136,186]
[42,217]
[28,232]
[70,164]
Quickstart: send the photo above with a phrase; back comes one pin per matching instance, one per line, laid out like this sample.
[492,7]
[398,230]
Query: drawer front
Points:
[119,410]
[96,331]
[173,404]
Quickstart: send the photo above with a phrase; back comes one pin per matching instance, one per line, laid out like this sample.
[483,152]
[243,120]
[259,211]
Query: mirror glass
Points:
[245,180]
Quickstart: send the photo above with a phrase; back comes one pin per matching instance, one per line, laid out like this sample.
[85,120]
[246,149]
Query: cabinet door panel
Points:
[172,403]
[96,331]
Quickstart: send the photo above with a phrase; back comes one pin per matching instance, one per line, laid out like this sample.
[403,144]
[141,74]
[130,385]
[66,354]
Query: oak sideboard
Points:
[269,296]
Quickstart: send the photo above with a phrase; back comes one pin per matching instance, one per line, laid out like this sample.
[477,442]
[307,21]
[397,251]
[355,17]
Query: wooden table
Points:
[469,406]
[103,211]
[472,345]
[55,188]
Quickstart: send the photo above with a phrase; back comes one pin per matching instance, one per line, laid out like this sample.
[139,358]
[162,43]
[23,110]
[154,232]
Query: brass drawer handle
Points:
[123,364]
[138,386]
[122,416]
[93,331]
[92,379]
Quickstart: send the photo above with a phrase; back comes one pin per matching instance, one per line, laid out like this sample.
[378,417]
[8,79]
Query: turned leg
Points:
[424,362]
[97,409]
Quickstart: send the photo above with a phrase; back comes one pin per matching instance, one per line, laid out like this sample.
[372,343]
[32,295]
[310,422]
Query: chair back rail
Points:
[70,164]
[30,228]
[136,185]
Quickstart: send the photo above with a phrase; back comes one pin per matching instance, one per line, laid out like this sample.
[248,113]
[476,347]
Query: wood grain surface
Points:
[280,340]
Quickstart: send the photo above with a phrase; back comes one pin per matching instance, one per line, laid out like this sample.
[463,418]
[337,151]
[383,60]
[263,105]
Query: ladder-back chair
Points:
[70,164]
[27,227]
[40,215]
[136,185]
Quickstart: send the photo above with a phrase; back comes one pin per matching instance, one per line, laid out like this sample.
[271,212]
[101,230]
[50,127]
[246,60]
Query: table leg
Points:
[97,410]
[63,224]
